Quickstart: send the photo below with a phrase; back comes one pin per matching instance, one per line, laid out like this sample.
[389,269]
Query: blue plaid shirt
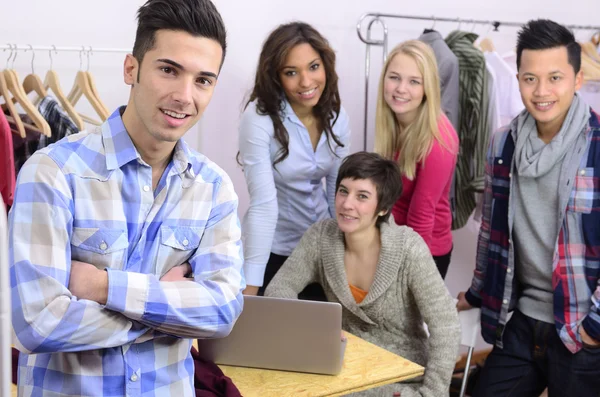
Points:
[89,198]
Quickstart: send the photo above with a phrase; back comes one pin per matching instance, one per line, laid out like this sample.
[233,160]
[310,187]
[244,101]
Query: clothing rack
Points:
[19,47]
[378,18]
[88,50]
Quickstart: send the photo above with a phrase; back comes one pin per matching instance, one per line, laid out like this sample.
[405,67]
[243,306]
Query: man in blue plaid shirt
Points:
[124,242]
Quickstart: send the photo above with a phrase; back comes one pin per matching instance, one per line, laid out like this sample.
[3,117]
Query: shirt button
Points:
[508,271]
[134,378]
[185,242]
[505,301]
[103,246]
[146,188]
[500,161]
[582,172]
[510,174]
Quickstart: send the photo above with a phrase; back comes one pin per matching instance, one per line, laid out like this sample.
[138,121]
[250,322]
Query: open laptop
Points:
[283,334]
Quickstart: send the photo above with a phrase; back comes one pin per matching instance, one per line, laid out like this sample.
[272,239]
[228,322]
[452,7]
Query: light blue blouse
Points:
[285,199]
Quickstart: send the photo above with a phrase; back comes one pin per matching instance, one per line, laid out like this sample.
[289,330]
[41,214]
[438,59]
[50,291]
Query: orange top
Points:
[357,293]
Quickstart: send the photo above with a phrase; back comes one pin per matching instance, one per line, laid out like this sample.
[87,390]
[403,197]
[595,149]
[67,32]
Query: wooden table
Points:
[365,366]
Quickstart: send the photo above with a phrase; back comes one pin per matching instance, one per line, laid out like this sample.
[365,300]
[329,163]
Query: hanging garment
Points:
[473,128]
[590,92]
[448,69]
[7,162]
[493,109]
[23,148]
[59,121]
[510,102]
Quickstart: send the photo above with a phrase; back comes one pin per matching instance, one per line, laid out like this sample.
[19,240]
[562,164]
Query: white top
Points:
[510,104]
[285,199]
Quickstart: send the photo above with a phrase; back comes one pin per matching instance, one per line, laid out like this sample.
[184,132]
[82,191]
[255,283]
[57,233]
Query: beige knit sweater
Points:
[407,290]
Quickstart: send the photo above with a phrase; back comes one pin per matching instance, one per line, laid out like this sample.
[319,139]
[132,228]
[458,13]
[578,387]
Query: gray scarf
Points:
[533,158]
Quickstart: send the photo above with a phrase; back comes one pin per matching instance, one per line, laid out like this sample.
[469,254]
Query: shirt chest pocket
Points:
[177,244]
[584,194]
[102,247]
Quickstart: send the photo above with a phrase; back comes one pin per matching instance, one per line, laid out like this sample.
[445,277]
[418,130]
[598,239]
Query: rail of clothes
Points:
[40,122]
[481,94]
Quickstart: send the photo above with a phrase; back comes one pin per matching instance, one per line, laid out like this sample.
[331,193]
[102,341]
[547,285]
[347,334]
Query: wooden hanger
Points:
[95,91]
[93,85]
[588,48]
[591,69]
[486,45]
[596,39]
[32,82]
[12,110]
[83,87]
[89,120]
[52,82]
[12,81]
[16,89]
[28,127]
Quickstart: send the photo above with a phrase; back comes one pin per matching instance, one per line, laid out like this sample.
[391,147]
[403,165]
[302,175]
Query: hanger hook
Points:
[50,54]
[88,59]
[81,58]
[15,57]
[459,23]
[434,21]
[32,57]
[474,24]
[10,47]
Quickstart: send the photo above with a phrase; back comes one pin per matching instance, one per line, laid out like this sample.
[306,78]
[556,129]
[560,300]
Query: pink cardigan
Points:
[424,204]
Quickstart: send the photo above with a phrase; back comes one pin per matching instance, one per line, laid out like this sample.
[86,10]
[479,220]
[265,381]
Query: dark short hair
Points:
[268,91]
[383,173]
[544,34]
[199,18]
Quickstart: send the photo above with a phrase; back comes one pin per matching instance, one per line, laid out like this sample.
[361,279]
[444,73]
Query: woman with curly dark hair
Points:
[293,136]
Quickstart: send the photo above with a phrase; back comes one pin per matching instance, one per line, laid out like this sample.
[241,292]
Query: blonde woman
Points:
[412,129]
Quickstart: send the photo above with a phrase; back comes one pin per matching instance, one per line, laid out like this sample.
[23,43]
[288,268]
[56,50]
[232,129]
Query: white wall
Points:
[111,23]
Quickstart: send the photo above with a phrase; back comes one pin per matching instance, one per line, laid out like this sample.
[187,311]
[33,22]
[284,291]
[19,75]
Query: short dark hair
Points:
[199,18]
[544,34]
[385,175]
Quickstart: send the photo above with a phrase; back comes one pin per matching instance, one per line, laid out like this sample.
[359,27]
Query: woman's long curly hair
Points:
[268,91]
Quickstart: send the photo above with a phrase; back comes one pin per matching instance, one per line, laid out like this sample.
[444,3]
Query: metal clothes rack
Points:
[19,47]
[87,50]
[373,18]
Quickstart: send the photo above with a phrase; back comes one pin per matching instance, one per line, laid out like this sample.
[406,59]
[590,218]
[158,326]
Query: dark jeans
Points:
[312,292]
[534,358]
[443,262]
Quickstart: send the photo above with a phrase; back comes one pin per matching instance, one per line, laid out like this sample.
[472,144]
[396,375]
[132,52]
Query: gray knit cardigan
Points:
[407,291]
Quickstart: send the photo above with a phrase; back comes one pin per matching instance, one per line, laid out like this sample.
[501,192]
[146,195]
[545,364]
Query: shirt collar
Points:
[120,150]
[288,112]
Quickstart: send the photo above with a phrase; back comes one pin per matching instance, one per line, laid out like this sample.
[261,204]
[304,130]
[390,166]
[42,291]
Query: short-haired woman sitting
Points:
[382,274]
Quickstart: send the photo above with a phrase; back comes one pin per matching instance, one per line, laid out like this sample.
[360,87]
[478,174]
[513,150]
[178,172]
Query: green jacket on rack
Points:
[472,130]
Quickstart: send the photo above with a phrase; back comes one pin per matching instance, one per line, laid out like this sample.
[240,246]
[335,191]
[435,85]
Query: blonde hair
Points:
[415,141]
